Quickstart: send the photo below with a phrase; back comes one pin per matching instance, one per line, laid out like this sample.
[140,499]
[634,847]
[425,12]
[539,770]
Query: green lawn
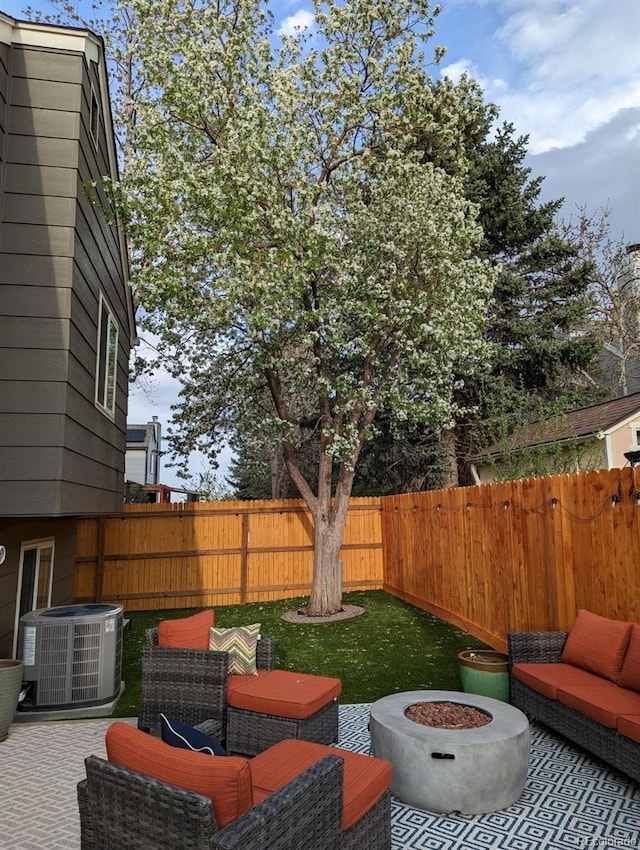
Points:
[393,647]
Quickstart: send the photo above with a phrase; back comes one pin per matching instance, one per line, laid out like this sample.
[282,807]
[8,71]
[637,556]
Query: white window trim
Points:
[110,365]
[26,546]
[93,98]
[634,431]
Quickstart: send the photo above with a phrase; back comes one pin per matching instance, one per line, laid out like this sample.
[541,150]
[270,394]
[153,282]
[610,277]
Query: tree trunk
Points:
[449,440]
[278,474]
[328,529]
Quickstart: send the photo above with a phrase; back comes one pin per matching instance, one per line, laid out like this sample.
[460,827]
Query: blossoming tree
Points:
[299,262]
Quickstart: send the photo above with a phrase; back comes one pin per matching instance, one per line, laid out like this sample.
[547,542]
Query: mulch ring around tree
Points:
[347,612]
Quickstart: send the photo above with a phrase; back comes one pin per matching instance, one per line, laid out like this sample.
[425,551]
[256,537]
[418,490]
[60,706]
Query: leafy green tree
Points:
[135,495]
[615,291]
[208,484]
[289,242]
[539,317]
[538,324]
[404,462]
[258,471]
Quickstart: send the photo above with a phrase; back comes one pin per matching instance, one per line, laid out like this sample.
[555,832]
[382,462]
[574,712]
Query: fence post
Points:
[244,558]
[100,558]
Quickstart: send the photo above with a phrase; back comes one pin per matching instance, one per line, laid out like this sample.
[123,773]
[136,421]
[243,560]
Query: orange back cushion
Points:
[597,644]
[188,632]
[226,780]
[630,674]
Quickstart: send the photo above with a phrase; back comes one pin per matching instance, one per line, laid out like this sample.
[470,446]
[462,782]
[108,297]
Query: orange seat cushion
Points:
[597,644]
[629,726]
[282,693]
[365,778]
[604,704]
[547,678]
[630,674]
[187,632]
[226,780]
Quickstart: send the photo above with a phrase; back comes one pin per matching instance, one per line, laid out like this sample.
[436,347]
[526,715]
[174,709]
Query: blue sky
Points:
[565,73]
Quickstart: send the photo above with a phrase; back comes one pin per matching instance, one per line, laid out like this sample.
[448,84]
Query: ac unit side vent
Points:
[117,672]
[84,694]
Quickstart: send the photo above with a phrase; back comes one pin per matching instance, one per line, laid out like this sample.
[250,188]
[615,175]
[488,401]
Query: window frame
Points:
[151,465]
[106,360]
[634,441]
[94,117]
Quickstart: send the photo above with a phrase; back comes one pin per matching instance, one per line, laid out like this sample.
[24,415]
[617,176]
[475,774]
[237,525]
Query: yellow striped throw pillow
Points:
[240,642]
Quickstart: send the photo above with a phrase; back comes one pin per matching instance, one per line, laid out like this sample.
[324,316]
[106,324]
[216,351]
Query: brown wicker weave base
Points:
[546,648]
[251,732]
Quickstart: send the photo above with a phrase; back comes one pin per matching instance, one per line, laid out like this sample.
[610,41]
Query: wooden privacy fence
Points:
[217,553]
[519,555]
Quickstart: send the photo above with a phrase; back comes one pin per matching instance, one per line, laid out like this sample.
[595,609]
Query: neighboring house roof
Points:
[137,435]
[576,424]
[140,436]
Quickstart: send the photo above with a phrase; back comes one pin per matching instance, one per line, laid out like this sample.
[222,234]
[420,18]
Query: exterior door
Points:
[35,577]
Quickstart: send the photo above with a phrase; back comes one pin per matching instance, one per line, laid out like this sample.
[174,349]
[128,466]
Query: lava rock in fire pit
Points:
[447,715]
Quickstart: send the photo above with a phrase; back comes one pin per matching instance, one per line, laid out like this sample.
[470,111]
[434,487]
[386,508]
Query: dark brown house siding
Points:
[61,454]
[13,533]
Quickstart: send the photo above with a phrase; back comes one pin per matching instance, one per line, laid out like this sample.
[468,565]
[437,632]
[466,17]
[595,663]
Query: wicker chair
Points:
[186,684]
[123,810]
[191,685]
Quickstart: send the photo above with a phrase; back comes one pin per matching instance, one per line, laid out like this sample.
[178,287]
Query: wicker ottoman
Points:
[277,704]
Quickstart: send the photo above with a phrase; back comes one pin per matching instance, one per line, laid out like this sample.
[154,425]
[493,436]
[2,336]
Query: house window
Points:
[107,360]
[35,577]
[634,443]
[94,117]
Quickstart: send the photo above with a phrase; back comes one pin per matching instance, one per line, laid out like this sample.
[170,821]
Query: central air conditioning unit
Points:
[72,655]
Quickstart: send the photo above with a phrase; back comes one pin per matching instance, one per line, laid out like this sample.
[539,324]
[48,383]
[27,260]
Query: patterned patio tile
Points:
[570,800]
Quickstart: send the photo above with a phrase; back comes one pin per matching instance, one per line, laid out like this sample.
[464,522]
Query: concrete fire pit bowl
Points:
[471,771]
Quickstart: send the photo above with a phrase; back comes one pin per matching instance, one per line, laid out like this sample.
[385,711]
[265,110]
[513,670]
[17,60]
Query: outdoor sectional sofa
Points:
[585,684]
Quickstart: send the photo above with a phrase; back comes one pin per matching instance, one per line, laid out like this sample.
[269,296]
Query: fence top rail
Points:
[180,509]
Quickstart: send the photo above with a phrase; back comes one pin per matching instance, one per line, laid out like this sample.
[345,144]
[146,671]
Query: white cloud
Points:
[456,69]
[465,66]
[576,65]
[558,70]
[300,20]
[573,44]
[568,76]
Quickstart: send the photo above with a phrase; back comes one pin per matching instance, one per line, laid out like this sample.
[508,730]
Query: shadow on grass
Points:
[393,647]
